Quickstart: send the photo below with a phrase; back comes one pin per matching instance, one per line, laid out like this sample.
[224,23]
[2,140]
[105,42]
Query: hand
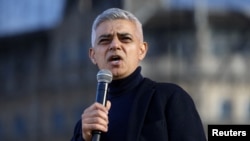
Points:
[95,117]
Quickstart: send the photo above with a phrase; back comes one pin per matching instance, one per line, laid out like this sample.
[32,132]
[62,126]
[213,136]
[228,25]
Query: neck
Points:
[122,85]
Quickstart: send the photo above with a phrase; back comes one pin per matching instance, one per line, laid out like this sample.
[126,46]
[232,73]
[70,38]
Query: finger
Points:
[96,123]
[97,106]
[91,127]
[96,120]
[92,116]
[95,117]
[88,128]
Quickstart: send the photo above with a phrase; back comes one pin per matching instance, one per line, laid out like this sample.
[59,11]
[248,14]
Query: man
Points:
[142,109]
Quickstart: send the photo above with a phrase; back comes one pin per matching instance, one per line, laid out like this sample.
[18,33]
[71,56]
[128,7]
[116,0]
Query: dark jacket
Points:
[162,112]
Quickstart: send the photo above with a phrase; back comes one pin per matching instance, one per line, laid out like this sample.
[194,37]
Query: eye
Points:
[104,41]
[126,39]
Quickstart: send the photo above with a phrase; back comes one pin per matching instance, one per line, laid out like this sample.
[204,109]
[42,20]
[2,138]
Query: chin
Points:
[117,74]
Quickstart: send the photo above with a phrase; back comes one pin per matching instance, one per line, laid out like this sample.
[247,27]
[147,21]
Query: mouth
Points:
[115,59]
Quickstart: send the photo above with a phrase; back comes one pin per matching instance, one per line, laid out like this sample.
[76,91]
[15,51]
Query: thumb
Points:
[108,105]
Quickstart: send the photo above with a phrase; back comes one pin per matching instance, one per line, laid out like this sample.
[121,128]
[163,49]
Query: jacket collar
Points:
[140,107]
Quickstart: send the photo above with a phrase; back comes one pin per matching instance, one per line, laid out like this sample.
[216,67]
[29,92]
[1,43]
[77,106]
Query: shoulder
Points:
[168,90]
[165,86]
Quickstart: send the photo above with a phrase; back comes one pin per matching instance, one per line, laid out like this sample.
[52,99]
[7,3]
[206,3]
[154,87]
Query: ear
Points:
[143,50]
[92,55]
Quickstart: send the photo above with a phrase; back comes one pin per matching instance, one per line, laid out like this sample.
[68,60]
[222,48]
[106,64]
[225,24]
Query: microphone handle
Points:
[96,135]
[101,95]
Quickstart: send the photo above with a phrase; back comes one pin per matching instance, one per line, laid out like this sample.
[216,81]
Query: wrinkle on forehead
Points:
[123,34]
[113,27]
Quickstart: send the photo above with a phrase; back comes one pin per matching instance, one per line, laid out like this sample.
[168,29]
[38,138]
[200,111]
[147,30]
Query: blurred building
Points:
[47,79]
[204,46]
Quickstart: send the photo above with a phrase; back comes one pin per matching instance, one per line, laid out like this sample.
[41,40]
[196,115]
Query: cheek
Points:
[99,54]
[139,55]
[135,56]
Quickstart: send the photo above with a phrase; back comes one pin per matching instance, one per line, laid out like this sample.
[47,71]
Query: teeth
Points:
[115,58]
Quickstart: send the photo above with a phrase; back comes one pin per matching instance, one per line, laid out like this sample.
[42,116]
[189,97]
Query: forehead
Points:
[113,26]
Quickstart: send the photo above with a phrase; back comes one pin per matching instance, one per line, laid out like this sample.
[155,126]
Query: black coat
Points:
[162,112]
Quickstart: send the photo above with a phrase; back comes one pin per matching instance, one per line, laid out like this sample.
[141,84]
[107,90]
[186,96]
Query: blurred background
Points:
[47,79]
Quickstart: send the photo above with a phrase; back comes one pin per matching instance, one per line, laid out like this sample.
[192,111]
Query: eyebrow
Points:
[124,34]
[110,35]
[105,36]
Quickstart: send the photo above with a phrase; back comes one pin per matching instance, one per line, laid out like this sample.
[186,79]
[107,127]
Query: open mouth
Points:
[115,58]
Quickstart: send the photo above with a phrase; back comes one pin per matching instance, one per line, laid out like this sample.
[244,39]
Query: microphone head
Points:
[104,75]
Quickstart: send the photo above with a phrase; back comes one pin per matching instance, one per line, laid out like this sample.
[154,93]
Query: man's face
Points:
[118,47]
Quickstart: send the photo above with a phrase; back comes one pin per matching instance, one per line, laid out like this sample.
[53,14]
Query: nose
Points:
[115,44]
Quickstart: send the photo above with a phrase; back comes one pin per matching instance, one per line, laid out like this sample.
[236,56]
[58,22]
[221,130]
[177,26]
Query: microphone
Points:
[104,77]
